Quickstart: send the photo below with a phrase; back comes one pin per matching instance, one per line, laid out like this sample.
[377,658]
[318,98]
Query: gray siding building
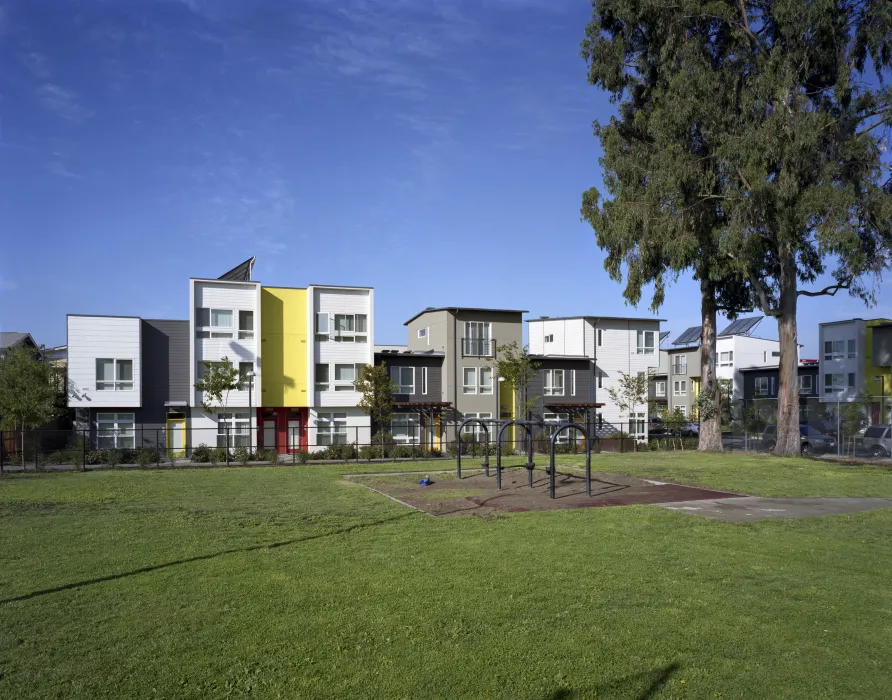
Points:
[683,382]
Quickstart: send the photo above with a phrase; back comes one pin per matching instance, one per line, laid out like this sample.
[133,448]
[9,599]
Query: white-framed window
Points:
[476,429]
[469,381]
[851,380]
[350,328]
[554,382]
[773,386]
[600,337]
[422,332]
[245,325]
[572,382]
[683,410]
[404,377]
[323,326]
[549,338]
[323,377]
[424,381]
[760,385]
[243,369]
[680,364]
[114,375]
[660,388]
[646,342]
[680,387]
[238,425]
[214,323]
[477,339]
[344,377]
[406,428]
[805,385]
[115,431]
[486,380]
[552,420]
[835,349]
[638,425]
[851,348]
[834,383]
[726,359]
[331,429]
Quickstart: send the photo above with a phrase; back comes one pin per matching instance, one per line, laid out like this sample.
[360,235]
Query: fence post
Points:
[36,450]
[157,447]
[838,436]
[227,443]
[2,450]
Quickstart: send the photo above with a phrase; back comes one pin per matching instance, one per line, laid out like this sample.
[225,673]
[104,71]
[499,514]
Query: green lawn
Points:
[292,582]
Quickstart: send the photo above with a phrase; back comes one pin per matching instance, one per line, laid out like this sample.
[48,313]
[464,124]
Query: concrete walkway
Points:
[749,508]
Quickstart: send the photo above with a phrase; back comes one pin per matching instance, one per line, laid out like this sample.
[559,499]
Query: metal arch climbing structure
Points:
[468,421]
[588,457]
[526,425]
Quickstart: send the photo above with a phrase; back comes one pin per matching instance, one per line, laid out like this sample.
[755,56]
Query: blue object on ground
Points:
[426,481]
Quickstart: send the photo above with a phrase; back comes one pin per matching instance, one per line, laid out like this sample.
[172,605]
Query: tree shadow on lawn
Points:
[638,686]
[202,557]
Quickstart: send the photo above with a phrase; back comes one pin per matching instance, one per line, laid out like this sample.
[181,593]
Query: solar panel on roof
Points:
[742,326]
[691,335]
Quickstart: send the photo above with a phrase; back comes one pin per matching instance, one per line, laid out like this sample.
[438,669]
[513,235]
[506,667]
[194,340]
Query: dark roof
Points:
[431,309]
[560,357]
[574,405]
[802,365]
[417,353]
[683,348]
[596,318]
[240,273]
[9,338]
[887,324]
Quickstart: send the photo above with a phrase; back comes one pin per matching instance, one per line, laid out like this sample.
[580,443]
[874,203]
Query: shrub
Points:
[372,452]
[242,455]
[201,454]
[338,452]
[58,458]
[303,457]
[172,462]
[616,435]
[146,455]
[111,458]
[95,457]
[269,455]
[404,451]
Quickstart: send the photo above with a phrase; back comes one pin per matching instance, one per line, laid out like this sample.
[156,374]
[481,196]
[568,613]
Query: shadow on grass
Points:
[640,686]
[200,557]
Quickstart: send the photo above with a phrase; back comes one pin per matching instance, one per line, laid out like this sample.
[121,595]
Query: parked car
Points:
[810,439]
[877,441]
[689,430]
[656,427]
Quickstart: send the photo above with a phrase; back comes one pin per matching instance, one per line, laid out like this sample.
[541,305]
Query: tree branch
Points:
[827,291]
[743,179]
[759,288]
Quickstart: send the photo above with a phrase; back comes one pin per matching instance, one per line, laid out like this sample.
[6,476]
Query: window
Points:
[851,380]
[600,380]
[556,419]
[683,410]
[477,339]
[549,338]
[323,324]
[422,332]
[404,378]
[876,431]
[773,390]
[600,337]
[345,375]
[322,377]
[237,426]
[554,382]
[680,364]
[600,421]
[726,359]
[646,342]
[214,323]
[350,328]
[805,384]
[243,369]
[834,383]
[834,349]
[851,348]
[331,429]
[572,382]
[476,429]
[115,431]
[661,388]
[486,380]
[245,325]
[424,381]
[761,386]
[114,375]
[638,425]
[775,353]
[405,428]
[680,388]
[469,380]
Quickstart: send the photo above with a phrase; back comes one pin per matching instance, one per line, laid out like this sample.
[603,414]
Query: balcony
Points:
[680,369]
[478,347]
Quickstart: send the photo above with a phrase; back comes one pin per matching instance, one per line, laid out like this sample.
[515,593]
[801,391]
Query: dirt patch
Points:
[476,494]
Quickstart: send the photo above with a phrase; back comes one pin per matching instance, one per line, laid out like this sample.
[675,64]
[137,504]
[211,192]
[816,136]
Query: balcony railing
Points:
[679,369]
[478,347]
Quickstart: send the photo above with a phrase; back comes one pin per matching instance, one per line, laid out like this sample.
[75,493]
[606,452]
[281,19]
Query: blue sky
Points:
[435,151]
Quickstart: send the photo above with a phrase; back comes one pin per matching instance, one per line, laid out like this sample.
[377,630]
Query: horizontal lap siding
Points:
[583,378]
[165,360]
[340,301]
[94,337]
[434,376]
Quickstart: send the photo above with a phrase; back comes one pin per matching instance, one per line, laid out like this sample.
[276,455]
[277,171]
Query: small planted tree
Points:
[219,379]
[377,388]
[631,393]
[27,393]
[514,364]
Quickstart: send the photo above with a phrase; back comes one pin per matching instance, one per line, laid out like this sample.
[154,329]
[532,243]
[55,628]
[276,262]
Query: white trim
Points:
[484,389]
[550,384]
[396,375]
[469,388]
[424,381]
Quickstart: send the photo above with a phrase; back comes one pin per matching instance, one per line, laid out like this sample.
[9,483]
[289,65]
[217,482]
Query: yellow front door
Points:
[176,437]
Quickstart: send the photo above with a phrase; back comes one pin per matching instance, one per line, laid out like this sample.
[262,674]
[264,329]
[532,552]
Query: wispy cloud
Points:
[60,169]
[36,63]
[62,102]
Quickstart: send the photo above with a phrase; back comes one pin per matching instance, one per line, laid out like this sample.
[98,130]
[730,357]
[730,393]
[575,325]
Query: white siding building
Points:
[736,352]
[341,321]
[616,345]
[104,369]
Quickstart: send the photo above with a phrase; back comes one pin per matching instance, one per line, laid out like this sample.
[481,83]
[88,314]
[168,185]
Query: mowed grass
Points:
[295,583]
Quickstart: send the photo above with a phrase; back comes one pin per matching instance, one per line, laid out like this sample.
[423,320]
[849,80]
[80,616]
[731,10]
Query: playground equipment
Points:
[530,465]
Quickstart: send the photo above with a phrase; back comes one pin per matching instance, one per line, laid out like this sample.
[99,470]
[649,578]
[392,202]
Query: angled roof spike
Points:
[663,336]
[691,335]
[742,326]
[240,273]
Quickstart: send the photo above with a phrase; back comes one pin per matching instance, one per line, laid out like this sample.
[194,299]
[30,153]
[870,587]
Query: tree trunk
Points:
[788,442]
[711,423]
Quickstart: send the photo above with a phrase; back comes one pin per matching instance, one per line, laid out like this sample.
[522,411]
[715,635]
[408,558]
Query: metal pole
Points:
[838,440]
[227,443]
[499,458]
[157,447]
[551,469]
[588,466]
[84,456]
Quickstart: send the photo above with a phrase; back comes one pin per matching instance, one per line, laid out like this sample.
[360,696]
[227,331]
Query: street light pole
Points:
[882,378]
[250,376]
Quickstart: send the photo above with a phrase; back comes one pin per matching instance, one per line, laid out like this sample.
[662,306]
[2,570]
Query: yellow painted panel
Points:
[507,404]
[873,387]
[283,349]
